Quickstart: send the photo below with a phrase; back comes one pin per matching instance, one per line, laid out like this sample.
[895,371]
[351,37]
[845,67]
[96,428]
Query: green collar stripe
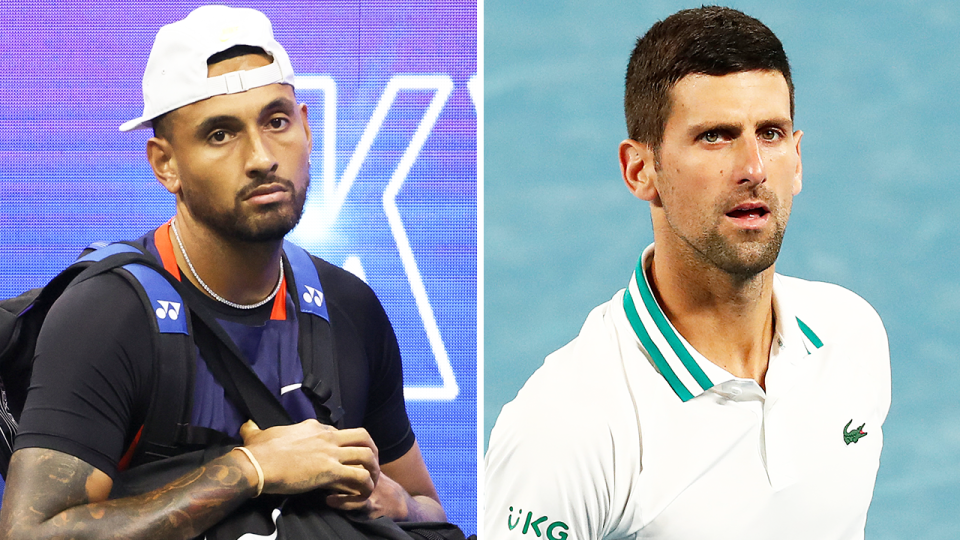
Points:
[809,333]
[658,360]
[667,331]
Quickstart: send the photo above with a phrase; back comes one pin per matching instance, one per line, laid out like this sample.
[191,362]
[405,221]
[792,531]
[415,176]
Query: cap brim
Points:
[136,123]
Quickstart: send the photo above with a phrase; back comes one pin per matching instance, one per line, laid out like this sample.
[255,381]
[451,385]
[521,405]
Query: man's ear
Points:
[164,163]
[639,170]
[798,176]
[306,124]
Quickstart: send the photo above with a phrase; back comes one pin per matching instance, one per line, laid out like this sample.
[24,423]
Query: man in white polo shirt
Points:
[712,398]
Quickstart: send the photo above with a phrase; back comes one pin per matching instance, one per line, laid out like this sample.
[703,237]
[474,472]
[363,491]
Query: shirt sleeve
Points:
[386,417]
[91,374]
[548,469]
[364,335]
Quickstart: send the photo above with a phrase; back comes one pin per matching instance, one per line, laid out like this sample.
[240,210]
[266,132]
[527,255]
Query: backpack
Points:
[167,444]
[166,431]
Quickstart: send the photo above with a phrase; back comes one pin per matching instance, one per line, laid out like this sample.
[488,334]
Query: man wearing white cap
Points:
[232,145]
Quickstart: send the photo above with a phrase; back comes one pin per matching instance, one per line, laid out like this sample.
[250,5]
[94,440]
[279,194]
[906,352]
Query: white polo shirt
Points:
[629,432]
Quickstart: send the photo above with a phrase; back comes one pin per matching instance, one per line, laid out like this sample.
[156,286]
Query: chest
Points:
[735,462]
[272,352]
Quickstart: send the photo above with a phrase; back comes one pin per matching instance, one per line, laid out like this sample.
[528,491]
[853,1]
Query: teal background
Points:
[876,88]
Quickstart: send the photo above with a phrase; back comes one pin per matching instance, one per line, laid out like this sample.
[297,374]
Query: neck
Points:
[241,272]
[728,319]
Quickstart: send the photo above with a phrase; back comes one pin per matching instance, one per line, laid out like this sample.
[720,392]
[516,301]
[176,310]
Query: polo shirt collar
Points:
[687,371]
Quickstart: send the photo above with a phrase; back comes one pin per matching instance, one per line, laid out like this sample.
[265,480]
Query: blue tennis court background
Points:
[393,199]
[877,97]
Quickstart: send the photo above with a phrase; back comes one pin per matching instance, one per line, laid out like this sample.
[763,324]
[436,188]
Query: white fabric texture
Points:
[598,444]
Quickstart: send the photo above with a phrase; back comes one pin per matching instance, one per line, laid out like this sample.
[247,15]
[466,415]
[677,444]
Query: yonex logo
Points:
[554,531]
[313,296]
[171,309]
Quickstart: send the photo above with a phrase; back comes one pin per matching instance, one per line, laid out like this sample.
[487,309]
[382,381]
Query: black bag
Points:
[304,516]
[168,445]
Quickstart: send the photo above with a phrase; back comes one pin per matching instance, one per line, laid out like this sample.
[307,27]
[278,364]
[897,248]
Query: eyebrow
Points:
[785,124]
[226,121]
[281,104]
[220,121]
[736,129]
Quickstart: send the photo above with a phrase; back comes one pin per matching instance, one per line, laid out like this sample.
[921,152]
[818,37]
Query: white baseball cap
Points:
[176,73]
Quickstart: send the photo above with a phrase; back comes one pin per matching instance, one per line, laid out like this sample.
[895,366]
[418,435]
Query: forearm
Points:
[180,510]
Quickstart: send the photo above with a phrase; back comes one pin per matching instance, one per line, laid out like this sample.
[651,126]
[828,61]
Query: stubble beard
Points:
[268,223]
[748,253]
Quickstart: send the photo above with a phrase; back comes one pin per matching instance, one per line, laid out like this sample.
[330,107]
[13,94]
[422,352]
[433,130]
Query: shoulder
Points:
[344,289]
[831,310]
[564,447]
[584,378]
[108,291]
[92,372]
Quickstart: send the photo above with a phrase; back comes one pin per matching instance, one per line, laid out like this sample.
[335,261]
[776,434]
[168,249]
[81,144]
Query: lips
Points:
[750,215]
[749,210]
[266,194]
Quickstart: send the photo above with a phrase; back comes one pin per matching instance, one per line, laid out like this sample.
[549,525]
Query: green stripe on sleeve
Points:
[810,334]
[658,360]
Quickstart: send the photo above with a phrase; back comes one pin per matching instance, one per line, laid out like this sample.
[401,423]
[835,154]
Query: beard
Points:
[266,223]
[742,259]
[746,253]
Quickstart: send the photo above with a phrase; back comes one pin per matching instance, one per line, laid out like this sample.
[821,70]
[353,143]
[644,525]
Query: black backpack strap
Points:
[221,355]
[240,384]
[315,345]
[166,429]
[182,330]
[321,377]
[21,318]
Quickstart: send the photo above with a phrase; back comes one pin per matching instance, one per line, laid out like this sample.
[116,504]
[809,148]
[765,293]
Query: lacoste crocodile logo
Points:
[853,435]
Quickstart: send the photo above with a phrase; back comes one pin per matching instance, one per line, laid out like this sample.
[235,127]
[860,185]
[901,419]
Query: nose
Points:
[260,159]
[751,162]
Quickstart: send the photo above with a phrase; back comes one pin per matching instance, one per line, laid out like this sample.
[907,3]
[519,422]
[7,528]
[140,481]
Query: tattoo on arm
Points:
[48,497]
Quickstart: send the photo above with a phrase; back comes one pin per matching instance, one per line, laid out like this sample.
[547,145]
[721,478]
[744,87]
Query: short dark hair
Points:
[235,51]
[160,128]
[710,40]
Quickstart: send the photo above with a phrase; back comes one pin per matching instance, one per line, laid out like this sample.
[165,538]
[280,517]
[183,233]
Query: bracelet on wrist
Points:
[256,466]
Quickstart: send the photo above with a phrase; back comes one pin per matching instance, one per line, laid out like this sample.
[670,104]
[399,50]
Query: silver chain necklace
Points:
[176,233]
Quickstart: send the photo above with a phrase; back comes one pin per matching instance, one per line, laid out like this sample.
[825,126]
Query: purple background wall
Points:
[71,74]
